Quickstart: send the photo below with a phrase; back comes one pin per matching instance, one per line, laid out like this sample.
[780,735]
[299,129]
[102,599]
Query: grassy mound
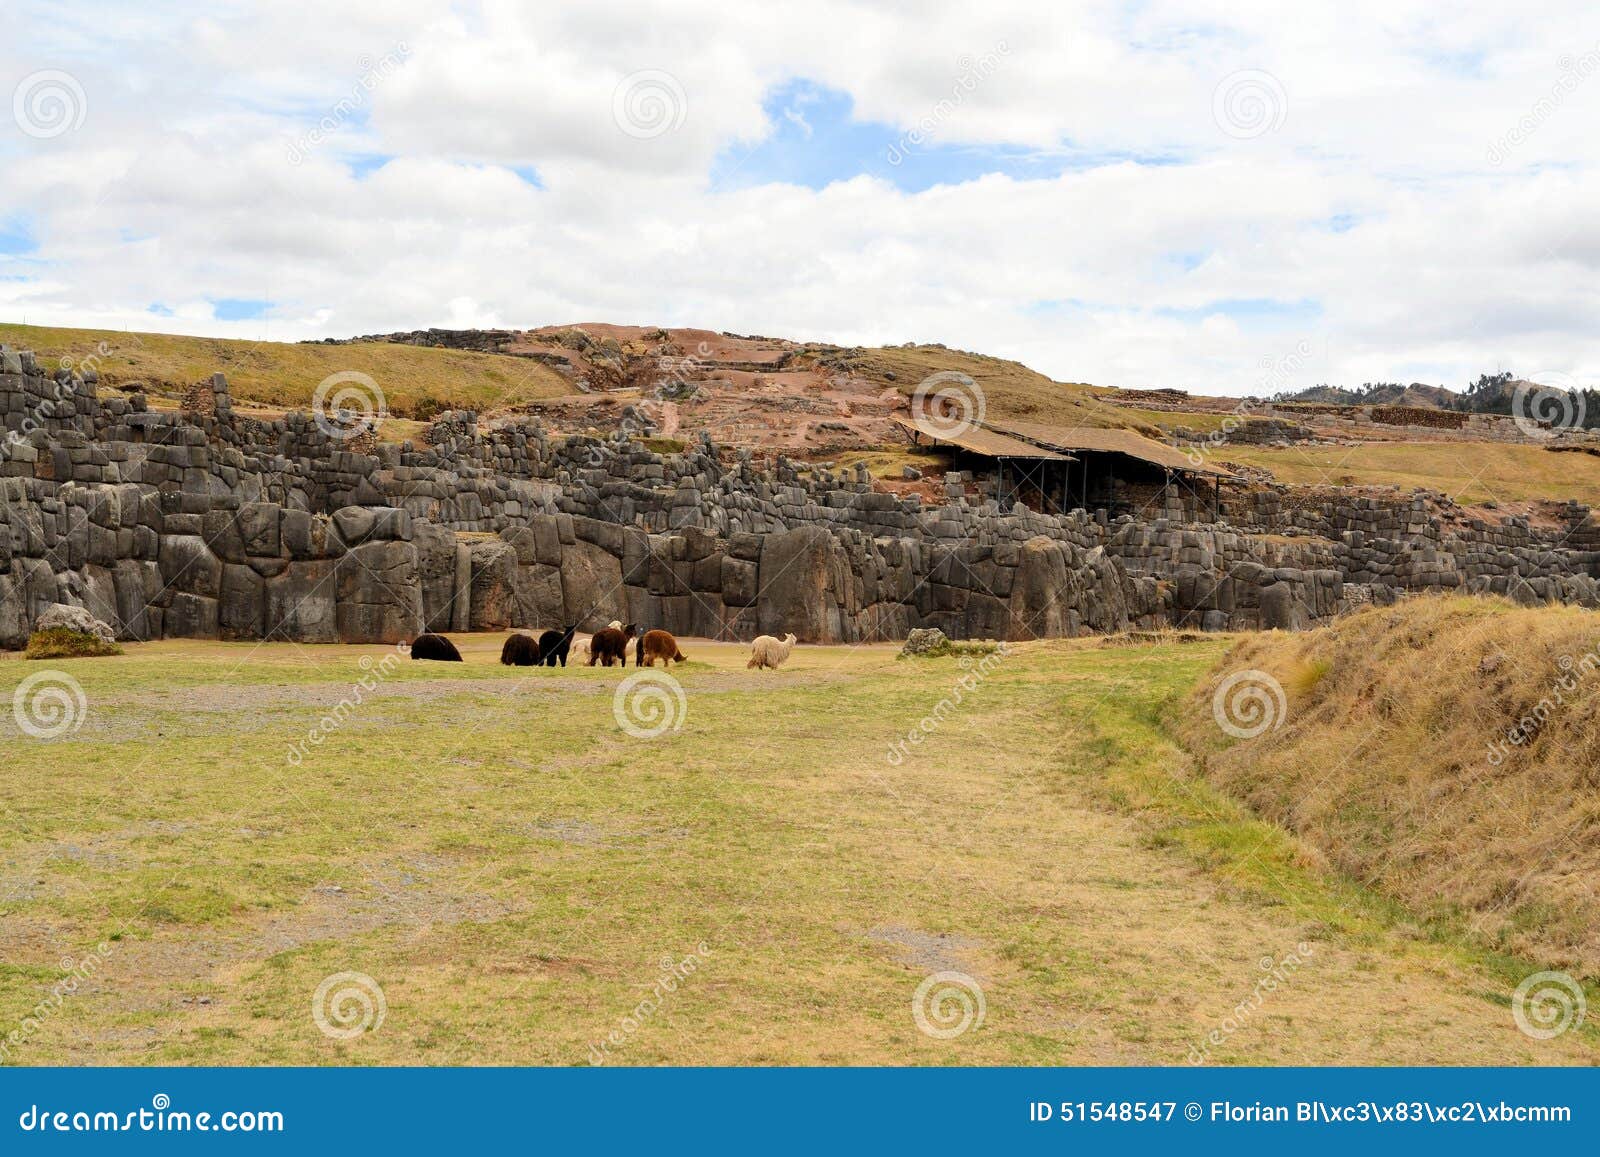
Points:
[415,381]
[65,643]
[1010,389]
[1446,752]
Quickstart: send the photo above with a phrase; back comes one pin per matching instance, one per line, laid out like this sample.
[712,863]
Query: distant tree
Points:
[1492,384]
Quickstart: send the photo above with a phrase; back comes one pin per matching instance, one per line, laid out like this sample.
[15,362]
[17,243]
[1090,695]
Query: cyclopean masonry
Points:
[202,523]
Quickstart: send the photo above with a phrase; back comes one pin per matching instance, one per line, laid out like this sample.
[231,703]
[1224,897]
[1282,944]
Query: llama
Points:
[769,652]
[520,651]
[661,645]
[554,645]
[610,645]
[435,647]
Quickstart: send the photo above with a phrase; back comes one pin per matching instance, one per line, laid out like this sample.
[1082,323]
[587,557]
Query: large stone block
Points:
[136,584]
[739,588]
[1281,609]
[494,599]
[258,529]
[591,586]
[242,608]
[190,616]
[547,540]
[188,566]
[538,597]
[799,586]
[380,599]
[301,604]
[436,571]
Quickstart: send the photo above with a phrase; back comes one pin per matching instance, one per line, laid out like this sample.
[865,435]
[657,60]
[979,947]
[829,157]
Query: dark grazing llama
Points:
[435,647]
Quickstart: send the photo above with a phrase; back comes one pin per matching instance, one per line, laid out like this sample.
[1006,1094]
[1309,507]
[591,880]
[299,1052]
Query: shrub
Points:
[65,643]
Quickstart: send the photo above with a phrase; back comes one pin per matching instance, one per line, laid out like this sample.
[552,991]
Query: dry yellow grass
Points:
[1469,472]
[1010,389]
[285,374]
[511,868]
[1446,752]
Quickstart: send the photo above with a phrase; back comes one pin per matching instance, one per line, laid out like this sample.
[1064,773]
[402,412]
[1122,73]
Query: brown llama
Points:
[520,651]
[611,645]
[436,647]
[661,645]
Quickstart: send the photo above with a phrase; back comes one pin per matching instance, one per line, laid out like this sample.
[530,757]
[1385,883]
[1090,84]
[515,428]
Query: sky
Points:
[1227,198]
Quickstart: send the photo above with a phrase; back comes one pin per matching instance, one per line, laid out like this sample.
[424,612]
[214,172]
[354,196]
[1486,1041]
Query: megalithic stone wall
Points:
[202,523]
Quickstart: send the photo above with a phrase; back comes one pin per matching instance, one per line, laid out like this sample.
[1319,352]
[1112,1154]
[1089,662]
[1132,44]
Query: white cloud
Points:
[1375,221]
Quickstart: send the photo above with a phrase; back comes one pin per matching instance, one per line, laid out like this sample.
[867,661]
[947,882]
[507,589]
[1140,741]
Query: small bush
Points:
[939,647]
[1307,675]
[65,643]
[664,445]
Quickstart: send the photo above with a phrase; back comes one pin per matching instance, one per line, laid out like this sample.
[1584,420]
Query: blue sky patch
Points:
[239,309]
[365,164]
[16,237]
[816,141]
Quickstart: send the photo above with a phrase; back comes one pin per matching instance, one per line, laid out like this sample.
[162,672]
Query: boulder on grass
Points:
[926,641]
[74,619]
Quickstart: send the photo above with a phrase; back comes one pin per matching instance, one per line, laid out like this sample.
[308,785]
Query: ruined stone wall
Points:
[201,523]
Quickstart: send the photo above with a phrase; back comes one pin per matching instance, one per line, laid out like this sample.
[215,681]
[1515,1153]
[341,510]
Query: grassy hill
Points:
[414,379]
[417,380]
[1010,389]
[1393,761]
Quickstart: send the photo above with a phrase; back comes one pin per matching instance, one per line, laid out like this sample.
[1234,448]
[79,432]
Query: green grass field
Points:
[526,882]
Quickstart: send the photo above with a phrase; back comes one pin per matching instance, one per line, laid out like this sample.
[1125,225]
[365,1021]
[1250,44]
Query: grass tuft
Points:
[65,643]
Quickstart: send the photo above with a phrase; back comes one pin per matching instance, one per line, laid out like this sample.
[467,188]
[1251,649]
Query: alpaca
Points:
[661,645]
[435,647]
[554,645]
[769,652]
[520,651]
[581,648]
[615,625]
[610,644]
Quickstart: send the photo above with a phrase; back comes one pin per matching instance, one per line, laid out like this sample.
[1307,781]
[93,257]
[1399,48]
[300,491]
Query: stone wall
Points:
[200,523]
